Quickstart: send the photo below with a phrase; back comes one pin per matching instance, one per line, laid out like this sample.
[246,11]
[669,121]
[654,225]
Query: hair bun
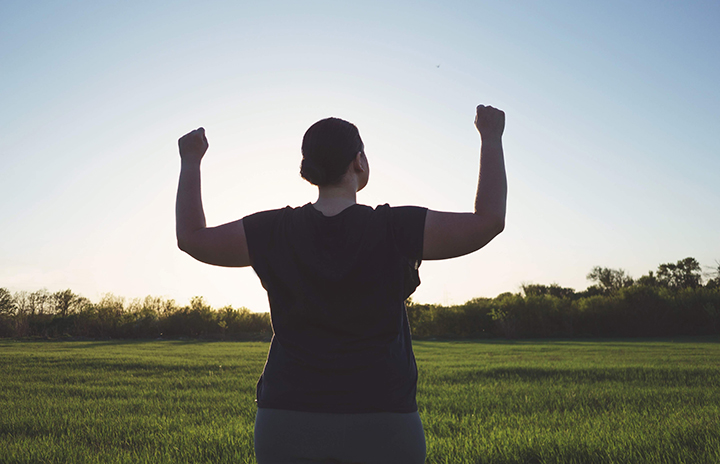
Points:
[329,146]
[312,172]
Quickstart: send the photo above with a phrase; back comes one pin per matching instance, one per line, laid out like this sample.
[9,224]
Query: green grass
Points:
[613,401]
[571,401]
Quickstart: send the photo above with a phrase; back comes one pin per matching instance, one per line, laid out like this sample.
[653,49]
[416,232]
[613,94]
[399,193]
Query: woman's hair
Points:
[328,148]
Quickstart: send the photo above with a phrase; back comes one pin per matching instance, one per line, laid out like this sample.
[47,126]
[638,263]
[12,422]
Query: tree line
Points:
[65,314]
[677,299]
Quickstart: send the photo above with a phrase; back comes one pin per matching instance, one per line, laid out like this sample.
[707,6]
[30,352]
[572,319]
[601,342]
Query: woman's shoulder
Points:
[277,211]
[265,218]
[388,207]
[394,213]
[402,213]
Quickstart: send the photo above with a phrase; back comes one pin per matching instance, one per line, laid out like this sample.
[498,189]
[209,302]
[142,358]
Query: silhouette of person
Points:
[340,379]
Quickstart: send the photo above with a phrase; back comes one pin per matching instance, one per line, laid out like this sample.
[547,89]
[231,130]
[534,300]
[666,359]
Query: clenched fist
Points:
[490,122]
[193,145]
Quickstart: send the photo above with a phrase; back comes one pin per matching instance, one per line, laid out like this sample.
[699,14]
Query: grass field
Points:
[612,401]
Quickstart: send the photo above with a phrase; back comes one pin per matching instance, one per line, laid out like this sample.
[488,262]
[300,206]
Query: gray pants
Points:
[294,437]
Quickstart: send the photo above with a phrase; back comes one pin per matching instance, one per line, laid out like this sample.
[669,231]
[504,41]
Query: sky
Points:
[611,140]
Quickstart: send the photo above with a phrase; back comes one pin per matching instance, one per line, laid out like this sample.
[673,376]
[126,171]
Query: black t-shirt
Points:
[337,287]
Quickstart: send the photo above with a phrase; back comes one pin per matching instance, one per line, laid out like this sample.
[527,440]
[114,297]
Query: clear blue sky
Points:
[612,139]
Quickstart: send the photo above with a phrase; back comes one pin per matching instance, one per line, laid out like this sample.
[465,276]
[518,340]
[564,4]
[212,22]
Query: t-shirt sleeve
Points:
[408,226]
[259,233]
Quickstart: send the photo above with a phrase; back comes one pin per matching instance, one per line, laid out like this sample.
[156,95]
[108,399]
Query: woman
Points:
[340,379]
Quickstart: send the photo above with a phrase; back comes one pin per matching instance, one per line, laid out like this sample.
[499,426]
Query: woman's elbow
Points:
[493,225]
[491,228]
[192,250]
[499,225]
[184,244]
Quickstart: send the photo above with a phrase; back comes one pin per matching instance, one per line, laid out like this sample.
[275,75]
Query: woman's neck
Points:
[334,199]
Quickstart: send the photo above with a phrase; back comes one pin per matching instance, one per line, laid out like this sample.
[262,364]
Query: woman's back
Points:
[337,287]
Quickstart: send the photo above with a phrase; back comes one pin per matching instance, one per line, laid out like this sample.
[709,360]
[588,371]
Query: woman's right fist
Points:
[490,122]
[193,145]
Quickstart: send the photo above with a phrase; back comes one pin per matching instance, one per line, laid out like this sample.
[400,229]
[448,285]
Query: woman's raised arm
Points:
[448,235]
[223,245]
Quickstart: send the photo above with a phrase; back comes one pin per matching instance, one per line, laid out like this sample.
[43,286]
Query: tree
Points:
[610,280]
[22,304]
[66,302]
[552,290]
[38,302]
[649,280]
[714,277]
[110,306]
[686,273]
[7,302]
